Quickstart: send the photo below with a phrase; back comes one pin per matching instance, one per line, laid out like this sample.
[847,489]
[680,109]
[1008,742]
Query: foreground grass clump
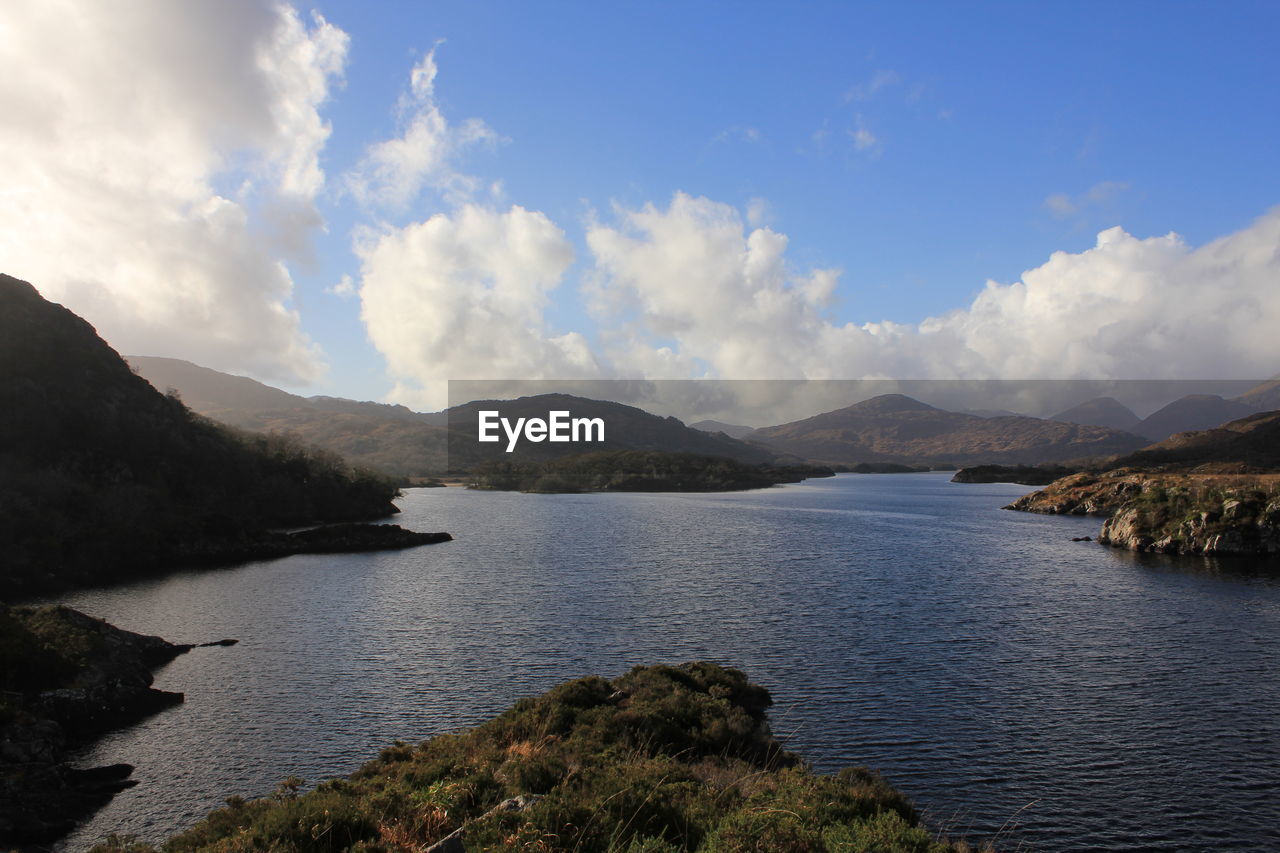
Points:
[662,759]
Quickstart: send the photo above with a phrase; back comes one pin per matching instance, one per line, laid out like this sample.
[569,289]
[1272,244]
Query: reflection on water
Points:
[1063,694]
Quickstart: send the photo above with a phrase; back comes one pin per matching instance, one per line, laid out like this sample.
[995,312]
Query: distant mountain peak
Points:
[1100,411]
[1192,412]
[889,403]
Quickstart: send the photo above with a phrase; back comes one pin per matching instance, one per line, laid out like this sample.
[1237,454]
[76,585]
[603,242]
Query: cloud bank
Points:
[690,290]
[161,160]
[698,289]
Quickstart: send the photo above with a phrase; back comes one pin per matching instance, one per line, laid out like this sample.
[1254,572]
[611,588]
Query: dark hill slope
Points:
[101,475]
[403,443]
[731,430]
[1192,412]
[894,428]
[392,439]
[1100,411]
[1264,397]
[1248,445]
[626,428]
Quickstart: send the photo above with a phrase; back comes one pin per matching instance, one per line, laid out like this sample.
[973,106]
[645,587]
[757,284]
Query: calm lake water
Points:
[1059,695]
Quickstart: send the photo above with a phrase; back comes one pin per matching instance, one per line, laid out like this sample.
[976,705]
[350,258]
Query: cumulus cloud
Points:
[395,171]
[691,275]
[1133,308]
[463,296]
[691,291]
[160,161]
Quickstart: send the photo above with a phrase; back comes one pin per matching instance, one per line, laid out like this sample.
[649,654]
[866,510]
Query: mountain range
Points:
[896,428]
[886,429]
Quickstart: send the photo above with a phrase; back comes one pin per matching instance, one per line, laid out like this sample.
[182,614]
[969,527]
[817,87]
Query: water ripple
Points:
[1053,694]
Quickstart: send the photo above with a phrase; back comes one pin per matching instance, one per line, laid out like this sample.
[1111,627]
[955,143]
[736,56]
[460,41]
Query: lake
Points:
[1054,695]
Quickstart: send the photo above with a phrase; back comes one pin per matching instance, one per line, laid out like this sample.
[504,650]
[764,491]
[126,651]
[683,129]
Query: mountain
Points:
[895,428]
[1100,411]
[392,439]
[626,428]
[102,475]
[731,430]
[209,391]
[403,443]
[1264,397]
[1251,443]
[1192,412]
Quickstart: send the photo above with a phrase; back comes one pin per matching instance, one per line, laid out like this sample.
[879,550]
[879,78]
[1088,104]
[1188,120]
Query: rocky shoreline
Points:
[68,679]
[1170,513]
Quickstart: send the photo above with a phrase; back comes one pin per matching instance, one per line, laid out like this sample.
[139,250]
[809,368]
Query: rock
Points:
[92,677]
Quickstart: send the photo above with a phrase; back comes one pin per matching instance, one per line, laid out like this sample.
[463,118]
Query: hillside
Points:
[731,430]
[402,443]
[1192,412]
[626,428]
[1250,444]
[102,476]
[1100,411]
[659,760]
[895,428]
[392,439]
[1264,397]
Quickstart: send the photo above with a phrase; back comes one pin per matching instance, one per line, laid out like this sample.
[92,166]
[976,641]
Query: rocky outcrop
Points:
[66,679]
[1086,493]
[1238,523]
[1170,513]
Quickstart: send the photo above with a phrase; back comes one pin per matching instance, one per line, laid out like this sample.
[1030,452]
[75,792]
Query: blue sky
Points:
[920,150]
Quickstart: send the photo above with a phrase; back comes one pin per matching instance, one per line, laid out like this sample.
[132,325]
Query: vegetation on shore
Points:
[1170,512]
[1181,514]
[637,471]
[660,760]
[102,476]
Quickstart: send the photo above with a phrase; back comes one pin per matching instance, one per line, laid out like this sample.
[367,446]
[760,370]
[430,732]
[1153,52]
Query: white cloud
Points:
[1134,308]
[344,288]
[691,275]
[395,171]
[462,296]
[690,291]
[125,127]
